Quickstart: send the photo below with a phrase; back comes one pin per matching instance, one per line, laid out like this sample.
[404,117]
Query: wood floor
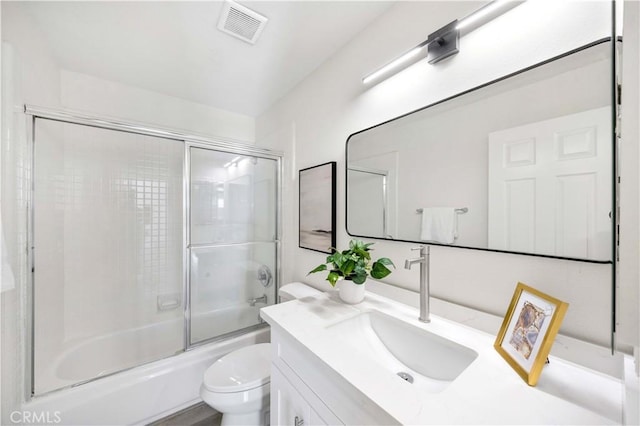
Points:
[196,415]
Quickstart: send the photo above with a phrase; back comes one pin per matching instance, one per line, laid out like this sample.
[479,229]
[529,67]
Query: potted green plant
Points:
[353,266]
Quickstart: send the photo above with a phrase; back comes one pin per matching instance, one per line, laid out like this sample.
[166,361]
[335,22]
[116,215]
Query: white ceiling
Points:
[176,49]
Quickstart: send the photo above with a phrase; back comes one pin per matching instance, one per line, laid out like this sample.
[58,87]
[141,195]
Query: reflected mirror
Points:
[521,165]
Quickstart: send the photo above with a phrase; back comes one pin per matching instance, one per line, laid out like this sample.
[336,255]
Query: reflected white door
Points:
[367,196]
[550,186]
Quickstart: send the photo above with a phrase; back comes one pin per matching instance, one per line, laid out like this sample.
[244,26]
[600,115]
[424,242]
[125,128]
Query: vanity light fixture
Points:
[396,63]
[479,14]
[444,42]
[485,14]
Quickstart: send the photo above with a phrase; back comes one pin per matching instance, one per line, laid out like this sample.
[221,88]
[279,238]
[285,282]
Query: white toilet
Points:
[237,385]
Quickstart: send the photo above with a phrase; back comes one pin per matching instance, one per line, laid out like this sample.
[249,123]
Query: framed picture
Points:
[528,331]
[318,207]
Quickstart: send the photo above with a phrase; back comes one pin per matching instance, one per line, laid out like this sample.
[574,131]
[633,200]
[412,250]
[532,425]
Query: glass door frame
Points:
[32,113]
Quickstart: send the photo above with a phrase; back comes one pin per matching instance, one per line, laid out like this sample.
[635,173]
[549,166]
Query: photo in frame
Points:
[317,207]
[528,331]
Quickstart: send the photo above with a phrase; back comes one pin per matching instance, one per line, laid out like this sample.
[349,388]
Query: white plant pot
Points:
[351,292]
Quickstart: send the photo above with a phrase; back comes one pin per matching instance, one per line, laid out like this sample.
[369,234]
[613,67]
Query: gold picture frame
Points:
[528,331]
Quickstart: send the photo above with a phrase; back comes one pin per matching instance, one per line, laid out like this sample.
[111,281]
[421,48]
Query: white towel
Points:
[439,224]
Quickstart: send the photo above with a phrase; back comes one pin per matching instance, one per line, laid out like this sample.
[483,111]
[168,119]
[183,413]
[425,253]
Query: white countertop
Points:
[487,392]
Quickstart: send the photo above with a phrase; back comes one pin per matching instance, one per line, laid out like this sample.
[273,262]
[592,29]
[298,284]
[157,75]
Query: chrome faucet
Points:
[261,299]
[423,260]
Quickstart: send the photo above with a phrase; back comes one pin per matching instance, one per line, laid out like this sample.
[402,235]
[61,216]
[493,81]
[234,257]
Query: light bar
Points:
[481,13]
[443,43]
[397,63]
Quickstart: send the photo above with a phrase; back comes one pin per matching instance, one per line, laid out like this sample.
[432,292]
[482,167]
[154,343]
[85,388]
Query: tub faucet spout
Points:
[423,260]
[261,299]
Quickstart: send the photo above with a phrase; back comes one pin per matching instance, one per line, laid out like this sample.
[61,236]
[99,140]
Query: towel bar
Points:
[461,210]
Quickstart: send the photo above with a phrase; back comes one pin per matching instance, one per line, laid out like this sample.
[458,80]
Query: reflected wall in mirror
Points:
[521,165]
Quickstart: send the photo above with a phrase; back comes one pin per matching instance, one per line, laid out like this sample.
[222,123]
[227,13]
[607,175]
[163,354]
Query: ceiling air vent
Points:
[241,22]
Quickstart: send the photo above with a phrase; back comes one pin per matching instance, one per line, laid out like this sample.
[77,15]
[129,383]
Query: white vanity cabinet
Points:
[293,403]
[306,390]
[288,406]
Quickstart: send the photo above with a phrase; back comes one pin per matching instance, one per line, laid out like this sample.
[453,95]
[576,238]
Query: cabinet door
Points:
[316,420]
[287,405]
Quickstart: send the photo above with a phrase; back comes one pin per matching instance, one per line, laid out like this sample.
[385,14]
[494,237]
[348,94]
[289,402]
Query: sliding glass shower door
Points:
[232,240]
[142,244]
[108,249]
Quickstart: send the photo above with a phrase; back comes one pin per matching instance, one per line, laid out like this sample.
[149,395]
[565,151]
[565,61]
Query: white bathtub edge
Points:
[143,394]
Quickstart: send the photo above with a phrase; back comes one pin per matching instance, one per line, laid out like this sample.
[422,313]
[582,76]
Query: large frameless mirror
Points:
[521,165]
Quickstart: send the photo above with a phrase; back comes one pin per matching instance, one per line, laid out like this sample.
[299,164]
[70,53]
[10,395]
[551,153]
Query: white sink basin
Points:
[432,361]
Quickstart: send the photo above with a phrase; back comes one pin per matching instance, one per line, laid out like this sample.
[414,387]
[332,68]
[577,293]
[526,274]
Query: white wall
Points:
[107,98]
[30,75]
[313,122]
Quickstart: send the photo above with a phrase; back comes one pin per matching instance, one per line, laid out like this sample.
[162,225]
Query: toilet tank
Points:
[296,290]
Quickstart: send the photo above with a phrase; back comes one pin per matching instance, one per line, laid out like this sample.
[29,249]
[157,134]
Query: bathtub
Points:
[139,395]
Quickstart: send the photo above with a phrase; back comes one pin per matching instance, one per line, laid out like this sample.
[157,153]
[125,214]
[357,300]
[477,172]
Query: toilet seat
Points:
[240,370]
